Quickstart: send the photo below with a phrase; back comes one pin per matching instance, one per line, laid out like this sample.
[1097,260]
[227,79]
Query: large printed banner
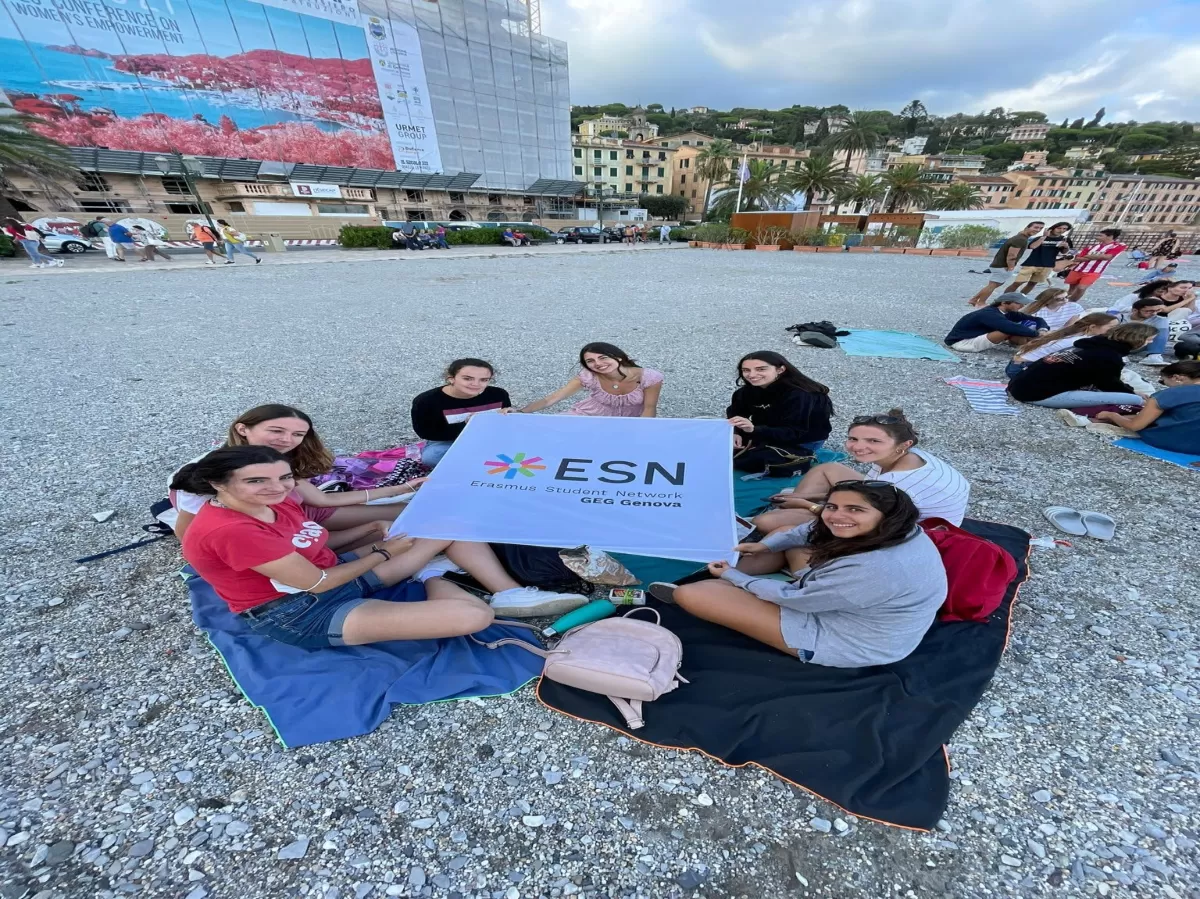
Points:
[648,486]
[309,81]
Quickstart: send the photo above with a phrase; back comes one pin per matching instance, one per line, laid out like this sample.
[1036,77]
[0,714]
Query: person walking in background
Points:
[439,238]
[1004,265]
[122,240]
[150,243]
[98,227]
[207,238]
[235,241]
[1091,264]
[664,234]
[30,238]
[1165,250]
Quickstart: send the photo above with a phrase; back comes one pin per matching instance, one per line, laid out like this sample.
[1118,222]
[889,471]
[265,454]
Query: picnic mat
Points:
[869,740]
[894,345]
[317,695]
[988,397]
[1137,445]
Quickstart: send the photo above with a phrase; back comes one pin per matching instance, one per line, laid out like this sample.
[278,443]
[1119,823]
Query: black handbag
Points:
[771,460]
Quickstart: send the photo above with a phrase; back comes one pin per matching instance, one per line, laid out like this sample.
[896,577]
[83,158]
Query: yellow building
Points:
[996,190]
[688,183]
[625,167]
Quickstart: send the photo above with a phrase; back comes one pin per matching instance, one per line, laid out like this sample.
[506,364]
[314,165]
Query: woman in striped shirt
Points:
[886,444]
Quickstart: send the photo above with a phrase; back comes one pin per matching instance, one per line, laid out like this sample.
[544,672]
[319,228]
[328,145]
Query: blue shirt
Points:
[118,233]
[1178,428]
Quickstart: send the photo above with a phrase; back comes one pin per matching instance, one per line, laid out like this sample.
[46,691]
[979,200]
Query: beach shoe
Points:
[1071,420]
[1099,526]
[816,338]
[1153,359]
[1066,520]
[530,602]
[663,591]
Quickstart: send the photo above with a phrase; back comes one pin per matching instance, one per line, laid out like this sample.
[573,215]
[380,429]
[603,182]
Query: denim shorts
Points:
[315,620]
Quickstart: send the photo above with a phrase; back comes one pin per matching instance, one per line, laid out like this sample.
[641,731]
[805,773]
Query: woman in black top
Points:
[778,414]
[439,415]
[1085,374]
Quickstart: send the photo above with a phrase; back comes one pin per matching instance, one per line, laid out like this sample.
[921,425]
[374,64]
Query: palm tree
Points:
[914,114]
[712,164]
[762,190]
[958,196]
[905,187]
[814,176]
[862,190]
[27,153]
[859,134]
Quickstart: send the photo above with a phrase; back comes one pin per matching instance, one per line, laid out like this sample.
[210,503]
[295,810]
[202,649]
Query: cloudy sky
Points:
[1065,57]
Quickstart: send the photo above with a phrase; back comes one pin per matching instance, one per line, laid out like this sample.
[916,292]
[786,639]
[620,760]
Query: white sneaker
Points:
[436,567]
[1071,420]
[38,265]
[530,602]
[1154,359]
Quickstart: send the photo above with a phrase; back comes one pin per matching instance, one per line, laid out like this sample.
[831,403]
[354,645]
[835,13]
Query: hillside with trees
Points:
[1116,146]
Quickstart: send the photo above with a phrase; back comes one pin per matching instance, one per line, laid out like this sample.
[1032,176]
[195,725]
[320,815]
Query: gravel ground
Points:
[130,766]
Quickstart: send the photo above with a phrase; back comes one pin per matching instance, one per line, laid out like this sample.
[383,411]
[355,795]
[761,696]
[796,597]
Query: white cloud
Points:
[1066,58]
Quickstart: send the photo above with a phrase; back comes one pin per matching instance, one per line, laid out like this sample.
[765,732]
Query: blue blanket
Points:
[1183,460]
[894,345]
[314,696]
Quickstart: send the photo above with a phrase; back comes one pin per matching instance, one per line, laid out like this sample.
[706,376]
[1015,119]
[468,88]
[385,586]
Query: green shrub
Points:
[966,237]
[357,237]
[712,232]
[683,234]
[7,248]
[810,237]
[475,237]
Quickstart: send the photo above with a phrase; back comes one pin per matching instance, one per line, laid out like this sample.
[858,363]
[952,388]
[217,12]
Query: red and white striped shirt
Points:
[1096,266]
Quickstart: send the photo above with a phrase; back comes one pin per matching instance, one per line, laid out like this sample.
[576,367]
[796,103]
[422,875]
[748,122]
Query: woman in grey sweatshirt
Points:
[868,585]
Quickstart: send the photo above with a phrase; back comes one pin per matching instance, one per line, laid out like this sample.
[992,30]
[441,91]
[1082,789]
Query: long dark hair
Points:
[309,459]
[1148,291]
[791,375]
[610,350]
[217,467]
[899,517]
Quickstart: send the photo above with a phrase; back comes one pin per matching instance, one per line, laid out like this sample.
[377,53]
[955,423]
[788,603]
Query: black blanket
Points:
[870,740]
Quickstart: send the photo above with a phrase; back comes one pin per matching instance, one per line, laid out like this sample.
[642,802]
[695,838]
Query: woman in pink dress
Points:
[616,385]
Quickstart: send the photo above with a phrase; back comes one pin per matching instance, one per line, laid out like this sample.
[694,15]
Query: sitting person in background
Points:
[1167,271]
[1170,420]
[617,385]
[778,414]
[1174,294]
[252,543]
[1091,325]
[1085,374]
[290,432]
[439,415]
[1053,307]
[886,444]
[1000,322]
[1150,311]
[868,582]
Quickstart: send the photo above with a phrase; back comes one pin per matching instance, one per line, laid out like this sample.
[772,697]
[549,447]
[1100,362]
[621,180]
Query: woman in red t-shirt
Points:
[286,429]
[271,564]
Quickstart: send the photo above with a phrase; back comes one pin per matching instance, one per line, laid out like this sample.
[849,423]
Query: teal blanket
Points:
[894,345]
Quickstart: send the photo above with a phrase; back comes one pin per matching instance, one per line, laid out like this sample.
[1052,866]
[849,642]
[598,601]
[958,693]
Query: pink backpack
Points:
[627,660]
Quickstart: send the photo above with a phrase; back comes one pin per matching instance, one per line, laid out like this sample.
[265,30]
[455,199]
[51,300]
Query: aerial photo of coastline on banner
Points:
[288,80]
[646,486]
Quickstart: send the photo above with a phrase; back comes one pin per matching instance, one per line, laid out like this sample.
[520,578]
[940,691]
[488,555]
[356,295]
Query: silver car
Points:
[66,243]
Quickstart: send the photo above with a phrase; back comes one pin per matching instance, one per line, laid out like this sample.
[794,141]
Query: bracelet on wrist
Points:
[383,552]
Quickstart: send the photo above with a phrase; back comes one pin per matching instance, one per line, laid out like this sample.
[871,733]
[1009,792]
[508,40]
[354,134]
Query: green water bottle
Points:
[593,611]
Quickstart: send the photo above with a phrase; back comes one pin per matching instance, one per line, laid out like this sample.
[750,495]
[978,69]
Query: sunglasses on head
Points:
[874,420]
[841,485]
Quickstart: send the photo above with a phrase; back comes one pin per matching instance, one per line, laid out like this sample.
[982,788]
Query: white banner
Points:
[315,189]
[404,94]
[648,486]
[344,11]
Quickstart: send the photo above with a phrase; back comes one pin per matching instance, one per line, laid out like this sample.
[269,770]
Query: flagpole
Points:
[741,181]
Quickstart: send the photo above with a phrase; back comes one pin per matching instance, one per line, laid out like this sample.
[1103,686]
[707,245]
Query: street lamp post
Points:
[188,166]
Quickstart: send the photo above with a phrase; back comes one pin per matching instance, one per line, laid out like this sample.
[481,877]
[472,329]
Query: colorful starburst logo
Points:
[510,467]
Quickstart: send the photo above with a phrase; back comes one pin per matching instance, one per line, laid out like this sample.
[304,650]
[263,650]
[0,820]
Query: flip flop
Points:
[1099,526]
[1066,520]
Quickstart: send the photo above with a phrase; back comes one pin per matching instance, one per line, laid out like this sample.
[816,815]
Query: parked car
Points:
[584,234]
[66,243]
